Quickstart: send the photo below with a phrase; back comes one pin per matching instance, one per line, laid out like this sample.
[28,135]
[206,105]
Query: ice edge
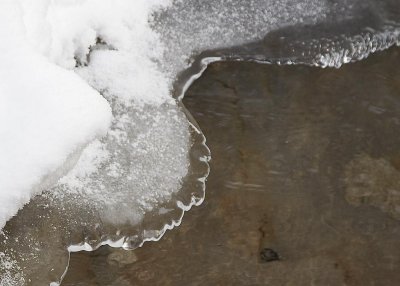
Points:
[121,243]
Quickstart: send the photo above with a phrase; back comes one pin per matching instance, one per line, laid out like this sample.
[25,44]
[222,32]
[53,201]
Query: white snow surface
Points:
[50,101]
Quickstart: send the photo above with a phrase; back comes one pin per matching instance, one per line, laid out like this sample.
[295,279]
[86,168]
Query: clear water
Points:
[35,243]
[305,162]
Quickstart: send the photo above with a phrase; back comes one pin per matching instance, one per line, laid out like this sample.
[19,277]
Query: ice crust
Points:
[86,111]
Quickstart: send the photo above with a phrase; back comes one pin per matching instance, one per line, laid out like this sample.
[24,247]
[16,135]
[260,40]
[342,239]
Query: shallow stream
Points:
[305,162]
[300,107]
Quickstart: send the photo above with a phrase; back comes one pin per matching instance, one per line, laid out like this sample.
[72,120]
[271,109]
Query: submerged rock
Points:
[374,182]
[268,255]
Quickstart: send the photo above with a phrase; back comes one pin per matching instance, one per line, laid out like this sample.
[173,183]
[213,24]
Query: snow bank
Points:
[114,36]
[47,111]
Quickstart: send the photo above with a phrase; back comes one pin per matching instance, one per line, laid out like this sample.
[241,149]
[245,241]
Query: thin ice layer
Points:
[190,27]
[136,167]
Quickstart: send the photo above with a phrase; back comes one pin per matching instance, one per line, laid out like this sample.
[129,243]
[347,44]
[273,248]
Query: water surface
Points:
[305,162]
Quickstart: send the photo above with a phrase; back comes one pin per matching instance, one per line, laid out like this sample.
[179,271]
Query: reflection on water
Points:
[305,164]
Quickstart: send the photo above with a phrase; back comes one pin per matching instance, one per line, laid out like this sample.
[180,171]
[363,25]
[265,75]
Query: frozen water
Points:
[134,182]
[350,31]
[190,27]
[139,164]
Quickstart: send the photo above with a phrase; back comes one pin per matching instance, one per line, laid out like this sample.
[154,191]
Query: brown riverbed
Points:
[305,172]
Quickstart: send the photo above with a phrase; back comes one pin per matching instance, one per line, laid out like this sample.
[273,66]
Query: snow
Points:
[59,60]
[63,61]
[47,112]
[87,120]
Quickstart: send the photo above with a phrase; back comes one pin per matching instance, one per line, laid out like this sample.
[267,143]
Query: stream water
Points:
[304,185]
[305,162]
